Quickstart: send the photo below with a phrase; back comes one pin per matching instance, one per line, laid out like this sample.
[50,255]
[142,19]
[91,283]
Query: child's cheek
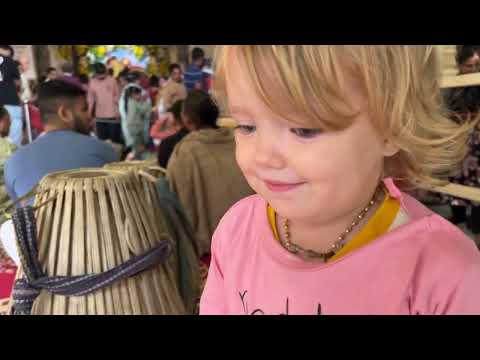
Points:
[243,156]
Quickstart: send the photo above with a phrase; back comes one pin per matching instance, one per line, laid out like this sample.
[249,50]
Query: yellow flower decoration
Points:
[65,51]
[101,51]
[152,67]
[138,51]
[81,49]
[163,67]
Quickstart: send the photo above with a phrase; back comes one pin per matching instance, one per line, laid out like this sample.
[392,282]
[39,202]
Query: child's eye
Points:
[245,129]
[306,133]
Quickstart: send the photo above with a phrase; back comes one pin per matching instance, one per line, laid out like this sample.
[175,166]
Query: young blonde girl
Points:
[328,136]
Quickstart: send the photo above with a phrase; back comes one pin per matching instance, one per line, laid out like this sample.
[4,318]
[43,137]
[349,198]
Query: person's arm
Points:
[91,100]
[198,85]
[199,80]
[9,182]
[445,278]
[158,102]
[15,75]
[167,98]
[18,85]
[182,92]
[465,298]
[155,131]
[121,105]
[116,92]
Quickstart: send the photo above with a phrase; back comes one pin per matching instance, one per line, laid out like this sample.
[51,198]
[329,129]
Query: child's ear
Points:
[389,148]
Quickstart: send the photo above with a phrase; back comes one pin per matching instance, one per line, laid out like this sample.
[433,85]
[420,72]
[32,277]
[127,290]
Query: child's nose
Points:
[268,152]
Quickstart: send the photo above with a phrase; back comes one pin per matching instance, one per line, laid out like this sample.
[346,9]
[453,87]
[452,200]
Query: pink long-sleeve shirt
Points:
[104,94]
[425,266]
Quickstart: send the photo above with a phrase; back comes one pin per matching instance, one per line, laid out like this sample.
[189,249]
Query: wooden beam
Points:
[75,60]
[460,81]
[226,122]
[460,191]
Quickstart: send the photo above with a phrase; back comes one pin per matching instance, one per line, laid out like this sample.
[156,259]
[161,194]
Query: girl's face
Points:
[137,96]
[304,174]
[471,65]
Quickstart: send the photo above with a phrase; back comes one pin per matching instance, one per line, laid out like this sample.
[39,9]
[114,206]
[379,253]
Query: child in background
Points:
[169,124]
[328,135]
[138,114]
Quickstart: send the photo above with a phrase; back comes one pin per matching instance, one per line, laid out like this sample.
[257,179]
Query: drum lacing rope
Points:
[28,288]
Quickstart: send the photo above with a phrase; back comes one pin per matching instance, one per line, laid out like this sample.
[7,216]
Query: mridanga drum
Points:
[90,221]
[146,168]
[171,219]
[146,173]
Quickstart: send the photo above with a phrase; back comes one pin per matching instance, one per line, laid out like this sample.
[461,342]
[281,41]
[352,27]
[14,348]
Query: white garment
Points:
[161,108]
[9,240]
[26,92]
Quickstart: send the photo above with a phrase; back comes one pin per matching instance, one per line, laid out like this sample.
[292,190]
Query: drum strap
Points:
[28,288]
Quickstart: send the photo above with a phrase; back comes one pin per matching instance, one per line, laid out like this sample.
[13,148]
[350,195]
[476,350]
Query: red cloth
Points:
[163,122]
[6,285]
[153,92]
[157,134]
[35,119]
[205,260]
[8,271]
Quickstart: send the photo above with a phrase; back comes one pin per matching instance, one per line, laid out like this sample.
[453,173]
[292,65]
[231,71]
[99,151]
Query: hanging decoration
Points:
[153,58]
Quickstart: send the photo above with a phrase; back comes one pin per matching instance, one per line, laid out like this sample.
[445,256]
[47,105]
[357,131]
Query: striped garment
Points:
[193,74]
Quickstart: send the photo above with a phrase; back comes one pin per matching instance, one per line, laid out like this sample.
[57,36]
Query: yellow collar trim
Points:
[377,226]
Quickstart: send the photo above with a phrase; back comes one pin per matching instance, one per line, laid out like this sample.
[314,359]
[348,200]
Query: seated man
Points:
[65,144]
[203,171]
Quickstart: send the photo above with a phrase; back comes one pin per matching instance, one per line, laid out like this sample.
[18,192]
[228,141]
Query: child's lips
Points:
[276,186]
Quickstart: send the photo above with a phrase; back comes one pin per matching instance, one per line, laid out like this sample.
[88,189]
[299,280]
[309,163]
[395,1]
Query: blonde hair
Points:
[401,84]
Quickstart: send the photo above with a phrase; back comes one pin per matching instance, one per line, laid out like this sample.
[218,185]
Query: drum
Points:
[90,221]
[171,219]
[147,174]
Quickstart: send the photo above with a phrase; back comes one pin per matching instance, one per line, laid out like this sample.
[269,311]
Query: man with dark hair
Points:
[65,144]
[194,77]
[103,97]
[9,83]
[51,74]
[7,51]
[173,91]
[468,59]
